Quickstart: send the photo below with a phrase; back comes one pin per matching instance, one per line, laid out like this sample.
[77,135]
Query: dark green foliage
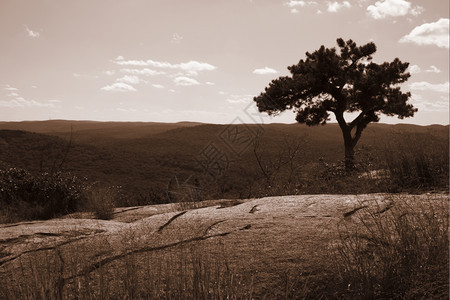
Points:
[327,82]
[42,196]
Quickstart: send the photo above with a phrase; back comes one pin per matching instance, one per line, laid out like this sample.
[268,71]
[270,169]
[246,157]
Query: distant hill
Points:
[153,160]
[94,132]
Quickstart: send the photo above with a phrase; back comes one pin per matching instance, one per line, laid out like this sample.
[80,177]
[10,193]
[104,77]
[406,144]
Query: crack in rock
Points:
[349,213]
[171,220]
[108,260]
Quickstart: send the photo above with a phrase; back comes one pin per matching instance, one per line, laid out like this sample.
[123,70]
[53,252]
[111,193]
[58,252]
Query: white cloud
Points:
[185,81]
[240,98]
[392,8]
[335,6]
[294,3]
[31,33]
[145,71]
[437,105]
[190,66]
[426,86]
[433,69]
[414,69]
[109,73]
[436,33]
[264,71]
[210,83]
[176,38]
[417,10]
[130,79]
[158,86]
[10,88]
[21,102]
[194,66]
[15,100]
[119,87]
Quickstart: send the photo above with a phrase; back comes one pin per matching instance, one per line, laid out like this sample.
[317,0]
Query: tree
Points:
[346,82]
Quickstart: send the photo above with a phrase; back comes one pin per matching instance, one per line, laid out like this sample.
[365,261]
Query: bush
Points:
[396,252]
[417,169]
[24,196]
[101,200]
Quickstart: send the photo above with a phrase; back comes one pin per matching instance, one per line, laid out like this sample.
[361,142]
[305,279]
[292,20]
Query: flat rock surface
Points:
[272,233]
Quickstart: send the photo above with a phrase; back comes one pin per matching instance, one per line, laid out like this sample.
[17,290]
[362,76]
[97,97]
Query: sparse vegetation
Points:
[24,196]
[310,161]
[394,248]
[101,200]
[397,248]
[395,252]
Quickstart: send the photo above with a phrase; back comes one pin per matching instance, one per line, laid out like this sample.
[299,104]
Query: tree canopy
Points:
[331,82]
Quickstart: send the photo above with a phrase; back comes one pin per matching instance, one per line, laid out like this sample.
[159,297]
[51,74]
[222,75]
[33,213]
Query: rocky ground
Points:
[265,237]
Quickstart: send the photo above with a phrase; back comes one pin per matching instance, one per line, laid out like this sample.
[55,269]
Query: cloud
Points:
[264,71]
[31,33]
[21,102]
[335,6]
[426,86]
[109,72]
[414,69]
[185,81]
[392,8]
[16,100]
[145,71]
[130,79]
[176,38]
[158,86]
[433,69]
[437,105]
[119,87]
[10,88]
[239,98]
[436,33]
[293,4]
[192,67]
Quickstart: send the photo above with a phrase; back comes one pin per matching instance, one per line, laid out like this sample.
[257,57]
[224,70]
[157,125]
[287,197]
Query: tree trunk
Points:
[349,142]
[349,156]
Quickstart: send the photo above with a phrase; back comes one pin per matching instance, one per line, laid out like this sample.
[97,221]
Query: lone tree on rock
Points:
[327,81]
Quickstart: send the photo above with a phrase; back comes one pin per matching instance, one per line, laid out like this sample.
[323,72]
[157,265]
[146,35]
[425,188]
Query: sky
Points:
[201,60]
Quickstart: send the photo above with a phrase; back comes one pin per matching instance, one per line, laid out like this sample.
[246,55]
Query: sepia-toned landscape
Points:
[240,149]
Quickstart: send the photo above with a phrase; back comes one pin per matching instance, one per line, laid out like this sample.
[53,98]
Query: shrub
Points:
[101,200]
[43,196]
[397,252]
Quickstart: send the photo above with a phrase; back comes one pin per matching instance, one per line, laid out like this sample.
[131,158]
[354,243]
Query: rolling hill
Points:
[156,161]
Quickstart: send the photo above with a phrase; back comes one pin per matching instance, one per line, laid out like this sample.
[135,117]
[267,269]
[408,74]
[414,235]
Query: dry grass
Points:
[396,250]
[296,247]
